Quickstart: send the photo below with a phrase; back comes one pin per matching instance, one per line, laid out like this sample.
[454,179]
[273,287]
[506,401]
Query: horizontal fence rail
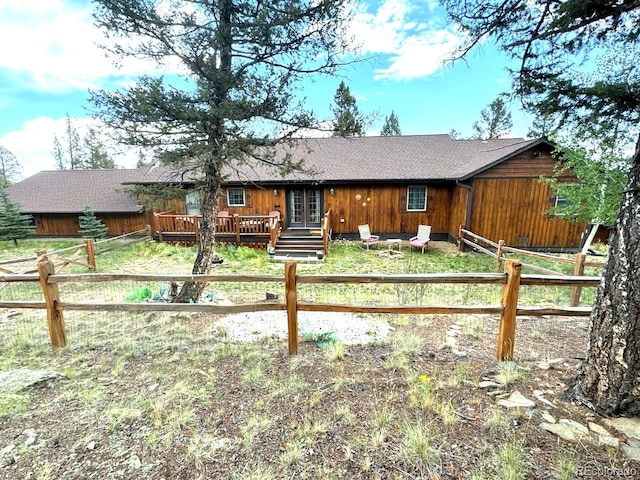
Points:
[509,282]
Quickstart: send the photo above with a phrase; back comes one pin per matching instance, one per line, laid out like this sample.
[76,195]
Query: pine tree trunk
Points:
[191,291]
[609,380]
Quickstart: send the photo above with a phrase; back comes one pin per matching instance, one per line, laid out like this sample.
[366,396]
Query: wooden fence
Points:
[89,248]
[510,282]
[484,245]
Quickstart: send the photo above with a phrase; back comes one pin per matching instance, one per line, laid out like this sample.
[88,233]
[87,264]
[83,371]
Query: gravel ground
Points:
[349,329]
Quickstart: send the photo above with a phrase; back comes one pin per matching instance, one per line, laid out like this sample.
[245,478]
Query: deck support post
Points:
[291,295]
[507,326]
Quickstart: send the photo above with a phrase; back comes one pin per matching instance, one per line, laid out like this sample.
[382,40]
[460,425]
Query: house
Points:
[56,198]
[395,183]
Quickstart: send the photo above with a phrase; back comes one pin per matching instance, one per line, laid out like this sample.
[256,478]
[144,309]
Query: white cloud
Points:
[54,46]
[409,37]
[33,144]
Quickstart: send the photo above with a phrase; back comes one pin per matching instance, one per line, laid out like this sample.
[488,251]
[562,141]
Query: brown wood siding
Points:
[459,202]
[513,210]
[258,201]
[67,224]
[524,165]
[384,208]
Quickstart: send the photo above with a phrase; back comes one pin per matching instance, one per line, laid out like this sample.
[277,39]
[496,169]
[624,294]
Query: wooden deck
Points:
[238,229]
[252,230]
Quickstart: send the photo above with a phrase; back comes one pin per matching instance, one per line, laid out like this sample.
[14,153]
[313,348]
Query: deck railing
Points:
[169,226]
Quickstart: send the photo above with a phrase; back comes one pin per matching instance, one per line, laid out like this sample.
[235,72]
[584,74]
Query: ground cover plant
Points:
[166,395]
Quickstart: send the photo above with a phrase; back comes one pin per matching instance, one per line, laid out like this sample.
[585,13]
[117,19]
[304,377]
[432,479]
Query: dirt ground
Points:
[182,401]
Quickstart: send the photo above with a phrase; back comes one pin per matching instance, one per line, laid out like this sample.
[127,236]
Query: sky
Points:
[51,59]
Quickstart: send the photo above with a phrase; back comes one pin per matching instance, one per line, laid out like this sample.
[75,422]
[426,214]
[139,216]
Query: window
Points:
[416,198]
[235,197]
[192,203]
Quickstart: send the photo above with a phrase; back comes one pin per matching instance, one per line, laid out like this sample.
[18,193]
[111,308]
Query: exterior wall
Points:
[509,203]
[67,224]
[258,201]
[459,209]
[384,208]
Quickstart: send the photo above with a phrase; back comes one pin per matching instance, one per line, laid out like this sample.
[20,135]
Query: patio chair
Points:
[223,217]
[365,236]
[421,240]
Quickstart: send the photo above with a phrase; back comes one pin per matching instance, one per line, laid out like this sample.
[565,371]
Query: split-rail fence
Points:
[509,281]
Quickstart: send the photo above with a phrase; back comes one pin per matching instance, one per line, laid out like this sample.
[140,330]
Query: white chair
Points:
[365,236]
[421,240]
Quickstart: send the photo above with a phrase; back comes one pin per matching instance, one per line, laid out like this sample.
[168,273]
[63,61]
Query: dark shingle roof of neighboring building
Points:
[70,191]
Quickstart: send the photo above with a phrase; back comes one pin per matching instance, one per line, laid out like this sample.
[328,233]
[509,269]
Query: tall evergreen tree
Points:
[495,121]
[391,125]
[95,155]
[10,168]
[13,225]
[349,121]
[549,38]
[242,64]
[74,151]
[90,225]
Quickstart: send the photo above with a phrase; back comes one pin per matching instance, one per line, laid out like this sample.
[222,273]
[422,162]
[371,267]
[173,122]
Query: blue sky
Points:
[53,60]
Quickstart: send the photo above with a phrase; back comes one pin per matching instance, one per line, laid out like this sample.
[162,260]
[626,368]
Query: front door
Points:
[304,208]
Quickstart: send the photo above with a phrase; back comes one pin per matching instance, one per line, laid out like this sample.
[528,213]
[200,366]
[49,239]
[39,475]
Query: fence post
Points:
[148,231]
[499,256]
[291,296]
[460,237]
[507,327]
[578,270]
[91,253]
[52,299]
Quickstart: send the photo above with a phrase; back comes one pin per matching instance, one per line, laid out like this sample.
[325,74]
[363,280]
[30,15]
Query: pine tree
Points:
[349,122]
[549,39]
[10,168]
[90,225]
[13,225]
[242,62]
[495,121]
[391,126]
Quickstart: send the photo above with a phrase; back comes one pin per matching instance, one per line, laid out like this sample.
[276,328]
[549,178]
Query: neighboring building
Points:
[393,183]
[56,198]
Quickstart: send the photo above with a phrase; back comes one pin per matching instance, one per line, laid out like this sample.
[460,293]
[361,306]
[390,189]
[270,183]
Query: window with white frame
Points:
[192,203]
[235,196]
[416,198]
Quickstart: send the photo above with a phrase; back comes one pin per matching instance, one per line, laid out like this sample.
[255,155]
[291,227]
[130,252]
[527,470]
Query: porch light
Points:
[275,191]
[331,191]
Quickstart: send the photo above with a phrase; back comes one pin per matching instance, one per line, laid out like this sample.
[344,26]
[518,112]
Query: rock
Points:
[632,452]
[562,430]
[31,437]
[629,426]
[597,429]
[6,457]
[516,400]
[91,445]
[608,441]
[271,296]
[134,462]
[539,394]
[578,427]
[16,380]
[489,384]
[547,417]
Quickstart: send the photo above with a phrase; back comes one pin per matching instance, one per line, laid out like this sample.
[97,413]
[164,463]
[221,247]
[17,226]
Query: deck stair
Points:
[299,246]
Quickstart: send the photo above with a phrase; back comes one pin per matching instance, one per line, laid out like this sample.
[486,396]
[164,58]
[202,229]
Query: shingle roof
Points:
[70,191]
[393,158]
[335,159]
